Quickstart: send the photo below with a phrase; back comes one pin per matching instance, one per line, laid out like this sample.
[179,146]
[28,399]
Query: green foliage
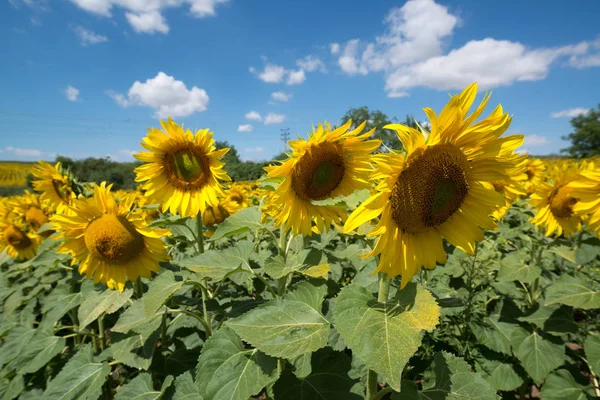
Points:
[262,315]
[585,139]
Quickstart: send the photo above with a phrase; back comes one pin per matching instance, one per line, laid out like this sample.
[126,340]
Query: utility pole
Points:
[285,137]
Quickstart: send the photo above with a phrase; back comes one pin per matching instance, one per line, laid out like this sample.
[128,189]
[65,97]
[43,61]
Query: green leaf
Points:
[565,252]
[220,264]
[15,343]
[329,379]
[561,385]
[501,375]
[58,302]
[80,379]
[134,350]
[39,351]
[302,365]
[277,268]
[160,290]
[97,303]
[311,293]
[552,319]
[228,371]
[385,336]
[453,381]
[572,291]
[592,351]
[283,328]
[538,355]
[494,334]
[518,271]
[11,389]
[586,253]
[134,319]
[185,388]
[139,388]
[242,221]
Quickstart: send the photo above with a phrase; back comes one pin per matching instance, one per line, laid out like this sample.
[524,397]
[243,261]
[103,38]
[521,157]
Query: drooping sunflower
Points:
[214,215]
[236,198]
[439,188]
[555,200]
[110,244]
[329,164]
[32,211]
[54,184]
[183,169]
[587,190]
[17,243]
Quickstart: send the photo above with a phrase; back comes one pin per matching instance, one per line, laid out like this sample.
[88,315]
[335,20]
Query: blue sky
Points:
[85,78]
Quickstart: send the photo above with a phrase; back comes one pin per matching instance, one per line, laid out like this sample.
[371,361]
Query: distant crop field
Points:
[14,174]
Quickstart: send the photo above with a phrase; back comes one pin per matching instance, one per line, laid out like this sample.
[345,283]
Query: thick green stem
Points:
[101,336]
[282,248]
[207,318]
[200,235]
[163,332]
[139,288]
[382,297]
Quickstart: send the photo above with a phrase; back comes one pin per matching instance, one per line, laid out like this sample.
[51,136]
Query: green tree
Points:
[585,139]
[377,119]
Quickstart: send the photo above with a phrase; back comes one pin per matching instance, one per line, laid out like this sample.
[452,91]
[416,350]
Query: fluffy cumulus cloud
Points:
[166,95]
[410,56]
[245,128]
[273,73]
[253,116]
[535,140]
[148,22]
[72,93]
[273,118]
[88,37]
[570,113]
[311,64]
[23,152]
[281,96]
[334,48]
[146,16]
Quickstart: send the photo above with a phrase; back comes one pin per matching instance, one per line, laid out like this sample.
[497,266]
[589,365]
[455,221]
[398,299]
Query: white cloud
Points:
[272,73]
[88,37]
[167,96]
[72,93]
[23,152]
[410,56]
[311,64]
[253,150]
[335,48]
[253,116]
[146,16]
[281,96]
[535,140]
[36,21]
[295,77]
[148,22]
[273,118]
[245,128]
[570,113]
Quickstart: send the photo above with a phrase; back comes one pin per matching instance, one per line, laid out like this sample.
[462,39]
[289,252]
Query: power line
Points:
[285,137]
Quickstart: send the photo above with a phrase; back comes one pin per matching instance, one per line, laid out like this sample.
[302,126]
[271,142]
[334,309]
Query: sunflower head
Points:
[586,188]
[54,185]
[183,169]
[16,242]
[440,187]
[110,244]
[331,163]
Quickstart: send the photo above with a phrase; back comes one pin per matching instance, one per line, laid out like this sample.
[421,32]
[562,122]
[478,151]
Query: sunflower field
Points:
[453,268]
[14,174]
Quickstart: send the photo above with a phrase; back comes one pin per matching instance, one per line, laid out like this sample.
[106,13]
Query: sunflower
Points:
[555,201]
[32,211]
[54,184]
[587,190]
[536,171]
[236,198]
[110,244]
[512,187]
[214,215]
[183,169]
[16,242]
[439,188]
[329,164]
